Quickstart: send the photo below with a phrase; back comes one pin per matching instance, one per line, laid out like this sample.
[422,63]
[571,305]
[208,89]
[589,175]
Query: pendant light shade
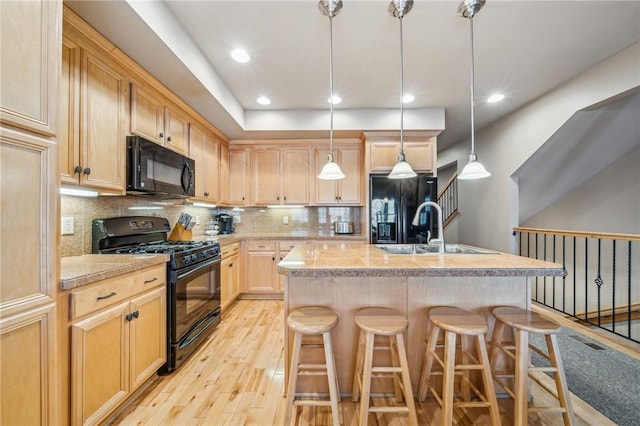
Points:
[402,169]
[474,169]
[331,170]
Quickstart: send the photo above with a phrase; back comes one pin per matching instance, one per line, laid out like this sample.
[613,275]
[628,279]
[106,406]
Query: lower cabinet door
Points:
[148,335]
[99,363]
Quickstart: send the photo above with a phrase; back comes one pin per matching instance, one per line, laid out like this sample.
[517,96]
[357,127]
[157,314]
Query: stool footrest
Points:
[547,409]
[312,366]
[386,369]
[312,403]
[388,410]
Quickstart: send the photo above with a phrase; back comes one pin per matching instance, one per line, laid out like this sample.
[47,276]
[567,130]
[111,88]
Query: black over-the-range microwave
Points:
[155,170]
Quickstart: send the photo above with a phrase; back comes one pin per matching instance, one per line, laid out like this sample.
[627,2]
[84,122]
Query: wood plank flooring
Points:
[237,378]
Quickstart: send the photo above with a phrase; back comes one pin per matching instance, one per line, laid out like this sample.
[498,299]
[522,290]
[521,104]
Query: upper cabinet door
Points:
[30,62]
[296,170]
[266,176]
[102,133]
[147,115]
[177,131]
[69,113]
[350,188]
[239,163]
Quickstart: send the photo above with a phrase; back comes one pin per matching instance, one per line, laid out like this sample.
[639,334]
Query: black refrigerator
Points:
[393,204]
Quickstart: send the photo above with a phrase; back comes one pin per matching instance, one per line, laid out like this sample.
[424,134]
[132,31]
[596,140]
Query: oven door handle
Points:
[199,267]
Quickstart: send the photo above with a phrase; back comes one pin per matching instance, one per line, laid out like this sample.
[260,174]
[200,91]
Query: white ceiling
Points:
[523,48]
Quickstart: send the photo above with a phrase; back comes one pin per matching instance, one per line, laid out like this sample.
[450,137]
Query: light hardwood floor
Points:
[237,378]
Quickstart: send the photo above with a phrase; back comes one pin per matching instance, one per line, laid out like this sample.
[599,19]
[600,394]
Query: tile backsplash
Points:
[312,220]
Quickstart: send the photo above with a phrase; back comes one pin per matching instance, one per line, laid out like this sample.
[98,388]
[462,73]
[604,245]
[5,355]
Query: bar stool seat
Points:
[522,322]
[382,322]
[312,320]
[458,322]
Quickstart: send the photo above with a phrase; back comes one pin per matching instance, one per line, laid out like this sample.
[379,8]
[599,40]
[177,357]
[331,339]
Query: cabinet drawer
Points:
[149,278]
[230,250]
[261,246]
[101,295]
[286,246]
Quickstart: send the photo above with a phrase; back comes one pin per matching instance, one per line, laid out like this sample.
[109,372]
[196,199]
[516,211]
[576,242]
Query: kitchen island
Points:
[350,276]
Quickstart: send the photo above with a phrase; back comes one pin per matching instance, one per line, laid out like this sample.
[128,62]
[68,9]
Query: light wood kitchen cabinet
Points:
[229,274]
[118,340]
[239,172]
[224,173]
[281,176]
[420,155]
[347,191]
[29,69]
[29,223]
[205,151]
[92,117]
[260,267]
[158,121]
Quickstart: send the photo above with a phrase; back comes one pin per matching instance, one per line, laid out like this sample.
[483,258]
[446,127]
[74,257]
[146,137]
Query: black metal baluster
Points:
[564,272]
[553,280]
[629,291]
[613,287]
[586,278]
[544,279]
[574,276]
[598,279]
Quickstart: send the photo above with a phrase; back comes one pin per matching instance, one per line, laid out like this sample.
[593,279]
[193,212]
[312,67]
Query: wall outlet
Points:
[237,219]
[285,220]
[67,225]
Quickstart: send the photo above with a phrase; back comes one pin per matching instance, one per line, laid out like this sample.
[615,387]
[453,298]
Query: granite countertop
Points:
[76,271]
[327,259]
[302,236]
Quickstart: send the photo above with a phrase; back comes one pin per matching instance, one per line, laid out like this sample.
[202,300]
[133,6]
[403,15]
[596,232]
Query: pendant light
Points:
[331,170]
[402,169]
[474,169]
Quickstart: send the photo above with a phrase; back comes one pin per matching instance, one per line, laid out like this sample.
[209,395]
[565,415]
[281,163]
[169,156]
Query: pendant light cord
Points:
[331,85]
[473,146]
[401,93]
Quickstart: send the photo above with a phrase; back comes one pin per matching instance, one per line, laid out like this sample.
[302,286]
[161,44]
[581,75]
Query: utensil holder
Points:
[179,233]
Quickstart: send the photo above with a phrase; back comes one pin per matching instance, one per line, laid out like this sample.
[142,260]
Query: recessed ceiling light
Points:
[263,100]
[240,55]
[496,97]
[408,98]
[335,99]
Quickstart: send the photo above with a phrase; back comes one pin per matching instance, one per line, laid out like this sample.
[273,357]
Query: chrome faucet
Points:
[416,218]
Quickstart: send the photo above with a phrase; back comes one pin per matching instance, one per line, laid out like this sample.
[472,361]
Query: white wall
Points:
[489,206]
[608,202]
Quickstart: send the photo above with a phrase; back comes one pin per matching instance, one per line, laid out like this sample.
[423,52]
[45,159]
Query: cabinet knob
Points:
[161,135]
[242,198]
[136,314]
[87,171]
[78,169]
[169,139]
[231,265]
[285,198]
[129,317]
[206,194]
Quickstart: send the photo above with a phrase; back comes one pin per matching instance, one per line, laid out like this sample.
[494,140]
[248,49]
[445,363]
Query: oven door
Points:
[194,309]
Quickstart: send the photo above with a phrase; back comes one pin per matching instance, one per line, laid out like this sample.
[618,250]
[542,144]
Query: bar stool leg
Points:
[406,379]
[466,343]
[561,385]
[521,388]
[357,374]
[366,379]
[423,387]
[395,362]
[293,377]
[489,388]
[448,377]
[331,376]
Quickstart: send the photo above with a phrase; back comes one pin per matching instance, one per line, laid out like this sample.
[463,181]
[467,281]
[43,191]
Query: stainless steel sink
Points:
[428,249]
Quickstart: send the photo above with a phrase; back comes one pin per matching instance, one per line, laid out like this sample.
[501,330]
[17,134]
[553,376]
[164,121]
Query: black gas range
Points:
[193,277]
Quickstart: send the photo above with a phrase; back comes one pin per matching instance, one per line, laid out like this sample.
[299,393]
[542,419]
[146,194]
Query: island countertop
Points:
[358,259]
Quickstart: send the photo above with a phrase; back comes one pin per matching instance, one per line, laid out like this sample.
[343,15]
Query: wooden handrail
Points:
[601,235]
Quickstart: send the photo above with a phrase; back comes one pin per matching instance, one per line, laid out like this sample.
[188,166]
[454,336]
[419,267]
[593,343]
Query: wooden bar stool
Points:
[313,320]
[521,323]
[382,322]
[458,322]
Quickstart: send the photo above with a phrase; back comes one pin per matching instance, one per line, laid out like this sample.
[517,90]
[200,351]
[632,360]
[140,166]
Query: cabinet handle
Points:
[136,314]
[285,198]
[230,264]
[273,258]
[129,317]
[169,139]
[278,198]
[113,293]
[206,194]
[161,135]
[87,171]
[151,280]
[242,198]
[78,169]
[262,246]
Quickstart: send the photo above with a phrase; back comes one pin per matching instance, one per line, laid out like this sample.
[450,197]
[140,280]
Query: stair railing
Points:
[601,281]
[448,200]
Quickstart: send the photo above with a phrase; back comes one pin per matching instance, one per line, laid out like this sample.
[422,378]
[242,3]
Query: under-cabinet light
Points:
[78,192]
[208,205]
[291,206]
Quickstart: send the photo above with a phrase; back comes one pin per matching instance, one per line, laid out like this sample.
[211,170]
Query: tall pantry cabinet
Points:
[29,70]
